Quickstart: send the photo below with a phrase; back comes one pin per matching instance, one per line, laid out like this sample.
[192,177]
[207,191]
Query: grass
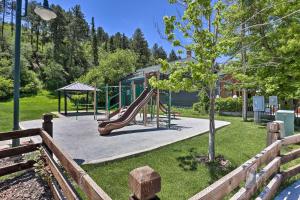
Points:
[30,108]
[181,175]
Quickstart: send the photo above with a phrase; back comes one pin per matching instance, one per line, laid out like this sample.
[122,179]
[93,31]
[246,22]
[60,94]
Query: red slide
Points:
[106,127]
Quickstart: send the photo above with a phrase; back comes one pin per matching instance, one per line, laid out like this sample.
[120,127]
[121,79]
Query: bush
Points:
[203,105]
[229,104]
[30,84]
[6,88]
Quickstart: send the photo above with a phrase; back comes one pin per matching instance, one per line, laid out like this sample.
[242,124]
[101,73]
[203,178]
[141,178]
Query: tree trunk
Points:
[244,60]
[212,128]
[245,104]
[37,33]
[3,19]
[12,18]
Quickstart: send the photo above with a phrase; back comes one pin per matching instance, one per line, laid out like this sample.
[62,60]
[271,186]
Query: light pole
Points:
[45,13]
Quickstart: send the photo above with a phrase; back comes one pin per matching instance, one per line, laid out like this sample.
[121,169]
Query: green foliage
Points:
[111,69]
[229,104]
[54,74]
[172,56]
[140,46]
[271,44]
[203,105]
[94,43]
[6,88]
[158,52]
[30,84]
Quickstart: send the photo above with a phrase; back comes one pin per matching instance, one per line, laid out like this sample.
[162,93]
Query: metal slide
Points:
[165,110]
[106,127]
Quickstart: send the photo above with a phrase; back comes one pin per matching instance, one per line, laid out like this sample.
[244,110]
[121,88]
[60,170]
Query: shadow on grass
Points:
[216,169]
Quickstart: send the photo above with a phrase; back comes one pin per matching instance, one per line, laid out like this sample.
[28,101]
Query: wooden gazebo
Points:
[74,88]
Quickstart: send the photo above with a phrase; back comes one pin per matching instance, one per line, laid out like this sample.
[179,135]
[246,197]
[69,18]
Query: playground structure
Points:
[124,100]
[127,115]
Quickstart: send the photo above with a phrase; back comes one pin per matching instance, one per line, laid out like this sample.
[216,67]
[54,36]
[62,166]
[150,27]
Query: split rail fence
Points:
[260,172]
[60,185]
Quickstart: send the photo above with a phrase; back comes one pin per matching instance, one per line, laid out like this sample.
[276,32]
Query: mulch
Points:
[27,185]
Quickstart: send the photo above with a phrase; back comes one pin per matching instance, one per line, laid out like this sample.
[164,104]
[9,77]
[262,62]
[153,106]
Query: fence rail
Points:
[60,185]
[261,170]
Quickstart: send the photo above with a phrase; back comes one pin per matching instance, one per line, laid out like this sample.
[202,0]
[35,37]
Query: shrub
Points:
[203,104]
[6,88]
[229,104]
[30,84]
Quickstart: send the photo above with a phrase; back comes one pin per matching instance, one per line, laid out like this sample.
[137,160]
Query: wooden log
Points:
[54,188]
[18,150]
[263,176]
[290,156]
[16,167]
[19,134]
[268,154]
[294,139]
[271,189]
[91,189]
[272,132]
[290,172]
[66,187]
[223,186]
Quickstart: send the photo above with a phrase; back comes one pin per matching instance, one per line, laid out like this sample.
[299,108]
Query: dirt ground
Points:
[25,186]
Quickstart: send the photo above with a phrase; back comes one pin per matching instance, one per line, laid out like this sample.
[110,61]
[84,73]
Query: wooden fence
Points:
[260,172]
[60,185]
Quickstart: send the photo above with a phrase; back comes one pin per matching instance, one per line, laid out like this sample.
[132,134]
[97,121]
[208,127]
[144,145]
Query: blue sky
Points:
[126,15]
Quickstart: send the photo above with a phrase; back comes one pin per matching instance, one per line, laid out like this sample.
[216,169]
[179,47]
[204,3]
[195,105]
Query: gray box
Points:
[288,117]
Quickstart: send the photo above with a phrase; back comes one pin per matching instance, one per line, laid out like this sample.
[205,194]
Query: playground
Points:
[81,139]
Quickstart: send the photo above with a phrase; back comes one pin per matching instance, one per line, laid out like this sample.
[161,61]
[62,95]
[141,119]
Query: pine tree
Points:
[111,43]
[117,40]
[158,52]
[172,56]
[102,36]
[140,46]
[58,32]
[125,42]
[94,43]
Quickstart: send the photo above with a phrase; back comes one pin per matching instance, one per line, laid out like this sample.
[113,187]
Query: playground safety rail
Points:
[263,170]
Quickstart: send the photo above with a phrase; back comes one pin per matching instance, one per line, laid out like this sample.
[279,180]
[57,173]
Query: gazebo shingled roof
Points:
[77,87]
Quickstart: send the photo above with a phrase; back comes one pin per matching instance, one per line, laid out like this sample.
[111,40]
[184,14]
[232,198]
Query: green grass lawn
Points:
[181,175]
[30,108]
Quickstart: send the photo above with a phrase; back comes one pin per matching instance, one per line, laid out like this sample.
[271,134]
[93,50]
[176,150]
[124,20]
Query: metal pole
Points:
[106,101]
[16,142]
[157,102]
[120,94]
[59,99]
[169,109]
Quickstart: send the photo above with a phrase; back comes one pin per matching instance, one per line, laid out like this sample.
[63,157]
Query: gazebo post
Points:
[66,103]
[59,99]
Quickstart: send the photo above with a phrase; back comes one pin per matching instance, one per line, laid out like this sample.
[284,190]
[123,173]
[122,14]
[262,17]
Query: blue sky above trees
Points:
[125,16]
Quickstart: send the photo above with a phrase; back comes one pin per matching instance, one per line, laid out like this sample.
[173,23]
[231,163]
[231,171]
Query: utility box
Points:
[288,117]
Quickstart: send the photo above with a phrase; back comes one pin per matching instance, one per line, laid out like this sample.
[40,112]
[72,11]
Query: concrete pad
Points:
[80,138]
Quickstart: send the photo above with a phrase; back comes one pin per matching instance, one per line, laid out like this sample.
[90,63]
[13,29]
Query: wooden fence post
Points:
[144,183]
[48,126]
[273,132]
